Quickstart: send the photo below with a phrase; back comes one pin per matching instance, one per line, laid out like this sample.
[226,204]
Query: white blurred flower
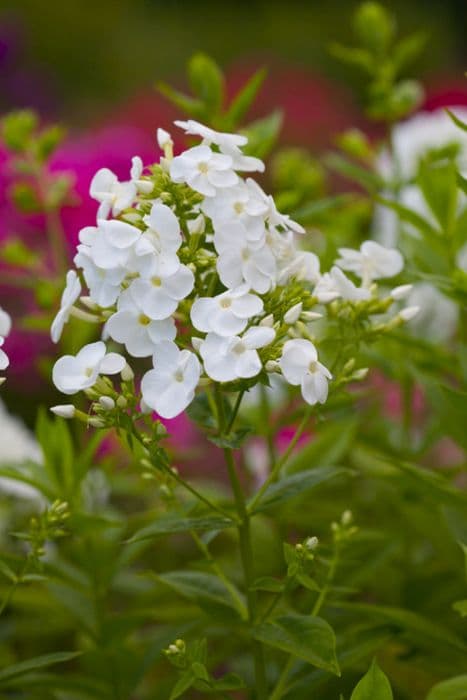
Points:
[17,445]
[300,367]
[335,284]
[438,315]
[170,387]
[372,261]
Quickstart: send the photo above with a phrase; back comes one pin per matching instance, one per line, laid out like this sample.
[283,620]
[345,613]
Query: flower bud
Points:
[127,374]
[196,226]
[401,292]
[272,366]
[196,342]
[64,410]
[310,315]
[96,422]
[293,314]
[87,301]
[107,403]
[409,313]
[267,321]
[163,138]
[346,517]
[122,402]
[311,543]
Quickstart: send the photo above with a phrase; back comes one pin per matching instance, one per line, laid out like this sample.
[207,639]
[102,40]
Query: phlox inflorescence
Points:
[192,269]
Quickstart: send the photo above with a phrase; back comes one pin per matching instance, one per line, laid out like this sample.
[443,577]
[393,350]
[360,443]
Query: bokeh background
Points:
[87,61]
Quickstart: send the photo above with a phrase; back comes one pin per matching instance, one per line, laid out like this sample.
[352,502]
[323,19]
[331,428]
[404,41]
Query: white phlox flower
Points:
[191,264]
[300,367]
[69,297]
[114,196]
[4,360]
[170,387]
[226,314]
[161,293]
[203,170]
[335,284]
[73,373]
[372,261]
[242,260]
[229,358]
[131,326]
[239,203]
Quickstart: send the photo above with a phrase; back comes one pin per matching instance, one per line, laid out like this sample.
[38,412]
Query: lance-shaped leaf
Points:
[452,689]
[373,686]
[20,669]
[307,637]
[171,523]
[296,485]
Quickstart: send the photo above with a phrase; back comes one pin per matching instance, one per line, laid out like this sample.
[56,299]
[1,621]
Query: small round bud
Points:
[64,410]
[346,517]
[272,366]
[107,403]
[310,316]
[311,543]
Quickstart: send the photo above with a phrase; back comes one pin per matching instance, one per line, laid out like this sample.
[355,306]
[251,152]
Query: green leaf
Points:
[207,82]
[244,99]
[408,48]
[423,630]
[206,590]
[373,686]
[171,523]
[269,584]
[329,447]
[296,485]
[438,182]
[190,105]
[7,674]
[409,216]
[234,440]
[460,606]
[228,682]
[263,134]
[312,211]
[307,637]
[356,173]
[17,129]
[360,58]
[185,682]
[452,689]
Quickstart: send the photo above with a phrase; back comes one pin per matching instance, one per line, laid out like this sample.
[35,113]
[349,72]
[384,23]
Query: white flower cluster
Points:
[198,271]
[5,327]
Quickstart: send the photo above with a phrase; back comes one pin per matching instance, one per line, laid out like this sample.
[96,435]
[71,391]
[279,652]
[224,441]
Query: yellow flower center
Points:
[203,168]
[144,320]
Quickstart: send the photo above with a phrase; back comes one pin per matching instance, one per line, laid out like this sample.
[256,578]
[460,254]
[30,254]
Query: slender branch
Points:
[246,553]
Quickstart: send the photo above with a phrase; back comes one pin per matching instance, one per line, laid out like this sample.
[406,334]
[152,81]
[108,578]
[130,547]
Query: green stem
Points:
[283,678]
[282,461]
[246,553]
[234,412]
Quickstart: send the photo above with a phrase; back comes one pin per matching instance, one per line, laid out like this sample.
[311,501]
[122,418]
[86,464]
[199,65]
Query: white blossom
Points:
[131,326]
[335,284]
[239,203]
[300,367]
[4,361]
[203,170]
[161,293]
[170,387]
[226,359]
[372,261]
[114,196]
[111,244]
[164,139]
[69,296]
[136,172]
[242,260]
[73,373]
[226,314]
